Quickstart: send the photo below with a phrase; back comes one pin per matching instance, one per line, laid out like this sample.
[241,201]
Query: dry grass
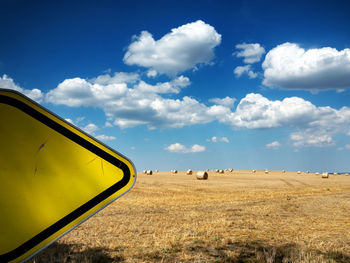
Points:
[233,217]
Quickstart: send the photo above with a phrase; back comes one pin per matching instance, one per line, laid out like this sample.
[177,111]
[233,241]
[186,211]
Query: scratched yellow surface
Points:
[44,176]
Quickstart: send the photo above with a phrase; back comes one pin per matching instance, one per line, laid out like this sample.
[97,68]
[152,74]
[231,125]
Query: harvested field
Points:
[238,216]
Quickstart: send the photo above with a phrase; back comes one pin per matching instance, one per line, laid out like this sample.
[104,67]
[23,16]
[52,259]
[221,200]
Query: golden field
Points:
[237,216]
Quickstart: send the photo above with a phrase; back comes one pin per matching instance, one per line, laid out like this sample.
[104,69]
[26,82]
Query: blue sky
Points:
[190,84]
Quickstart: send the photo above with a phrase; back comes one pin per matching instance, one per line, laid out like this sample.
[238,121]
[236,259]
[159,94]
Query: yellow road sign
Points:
[53,176]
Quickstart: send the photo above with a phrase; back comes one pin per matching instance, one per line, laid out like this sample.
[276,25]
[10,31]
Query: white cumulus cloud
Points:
[116,78]
[78,92]
[181,49]
[8,83]
[179,148]
[90,128]
[197,148]
[312,137]
[288,66]
[273,145]
[240,70]
[256,111]
[128,105]
[315,126]
[219,139]
[250,52]
[174,86]
[70,121]
[152,73]
[105,138]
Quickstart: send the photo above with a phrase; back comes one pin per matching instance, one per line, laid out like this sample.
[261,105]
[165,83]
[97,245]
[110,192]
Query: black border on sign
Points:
[31,243]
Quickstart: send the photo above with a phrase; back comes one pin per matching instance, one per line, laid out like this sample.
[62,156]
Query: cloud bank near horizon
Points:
[138,103]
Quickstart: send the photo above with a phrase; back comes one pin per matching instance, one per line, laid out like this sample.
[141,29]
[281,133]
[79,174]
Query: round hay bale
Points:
[144,171]
[156,171]
[317,173]
[217,170]
[253,171]
[221,171]
[231,170]
[325,175]
[283,171]
[298,172]
[149,172]
[174,171]
[266,171]
[189,171]
[202,175]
